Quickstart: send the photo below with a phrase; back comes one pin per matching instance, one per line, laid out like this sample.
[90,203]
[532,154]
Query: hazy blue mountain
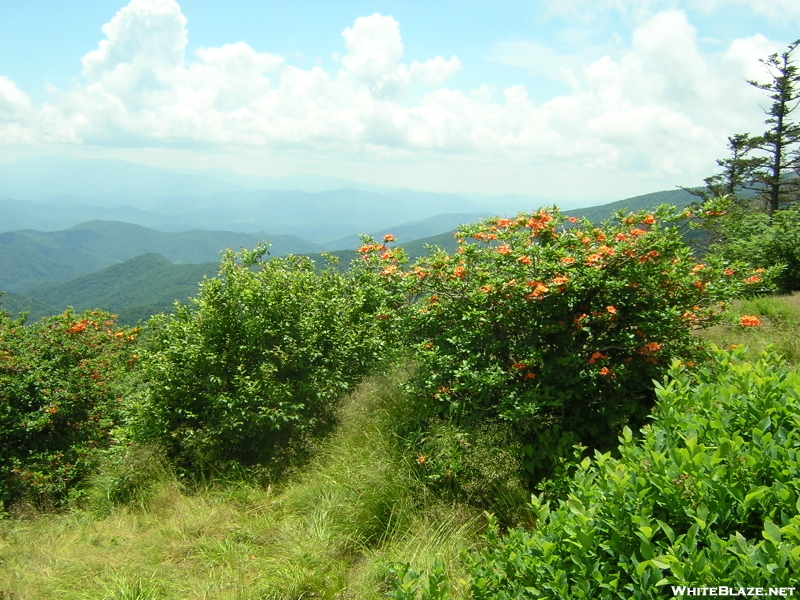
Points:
[407,232]
[49,193]
[304,182]
[105,182]
[29,258]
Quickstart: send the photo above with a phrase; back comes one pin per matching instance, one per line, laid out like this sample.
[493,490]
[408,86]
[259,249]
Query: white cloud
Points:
[661,105]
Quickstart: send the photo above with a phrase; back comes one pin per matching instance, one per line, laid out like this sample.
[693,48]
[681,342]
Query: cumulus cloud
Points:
[662,104]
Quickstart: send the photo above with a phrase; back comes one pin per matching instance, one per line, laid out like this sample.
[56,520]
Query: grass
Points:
[332,531]
[780,326]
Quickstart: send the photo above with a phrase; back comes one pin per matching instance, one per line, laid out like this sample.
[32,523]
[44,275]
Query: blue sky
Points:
[569,99]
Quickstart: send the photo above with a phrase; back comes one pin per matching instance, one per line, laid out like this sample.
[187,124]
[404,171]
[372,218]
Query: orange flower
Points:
[753,279]
[605,371]
[560,280]
[698,268]
[518,365]
[530,375]
[699,285]
[388,238]
[607,250]
[637,232]
[504,249]
[620,237]
[567,260]
[572,219]
[525,260]
[459,272]
[596,356]
[728,272]
[421,459]
[503,222]
[78,327]
[486,289]
[749,321]
[387,255]
[649,348]
[585,239]
[649,220]
[491,236]
[611,309]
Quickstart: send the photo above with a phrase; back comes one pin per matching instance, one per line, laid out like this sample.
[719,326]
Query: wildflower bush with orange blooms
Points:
[258,360]
[61,394]
[555,325]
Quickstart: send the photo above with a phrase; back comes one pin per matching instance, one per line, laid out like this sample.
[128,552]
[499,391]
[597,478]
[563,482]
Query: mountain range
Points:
[132,239]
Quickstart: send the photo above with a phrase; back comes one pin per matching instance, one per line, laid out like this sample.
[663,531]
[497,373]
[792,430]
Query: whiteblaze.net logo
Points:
[683,591]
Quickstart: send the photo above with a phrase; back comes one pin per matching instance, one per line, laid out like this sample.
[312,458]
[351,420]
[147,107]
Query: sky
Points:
[564,99]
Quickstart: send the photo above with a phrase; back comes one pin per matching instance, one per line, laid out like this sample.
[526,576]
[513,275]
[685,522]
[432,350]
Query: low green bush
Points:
[62,387]
[709,496]
[257,360]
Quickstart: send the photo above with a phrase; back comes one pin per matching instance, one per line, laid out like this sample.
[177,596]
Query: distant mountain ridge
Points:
[29,258]
[48,193]
[130,270]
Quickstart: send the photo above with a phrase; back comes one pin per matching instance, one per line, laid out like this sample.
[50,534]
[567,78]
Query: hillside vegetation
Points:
[378,431]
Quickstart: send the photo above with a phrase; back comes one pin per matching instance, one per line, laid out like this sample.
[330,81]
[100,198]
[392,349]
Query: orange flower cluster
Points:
[753,279]
[504,249]
[650,348]
[78,327]
[388,238]
[539,289]
[460,272]
[749,321]
[649,220]
[539,222]
[597,356]
[525,260]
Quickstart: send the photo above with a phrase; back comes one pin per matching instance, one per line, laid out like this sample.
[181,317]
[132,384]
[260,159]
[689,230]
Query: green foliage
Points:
[555,325]
[258,359]
[709,496]
[753,237]
[61,386]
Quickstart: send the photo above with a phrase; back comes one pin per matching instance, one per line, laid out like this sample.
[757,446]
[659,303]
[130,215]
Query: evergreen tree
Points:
[767,164]
[780,143]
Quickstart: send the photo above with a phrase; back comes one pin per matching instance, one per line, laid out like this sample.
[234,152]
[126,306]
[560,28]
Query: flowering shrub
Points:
[556,324]
[257,359]
[60,398]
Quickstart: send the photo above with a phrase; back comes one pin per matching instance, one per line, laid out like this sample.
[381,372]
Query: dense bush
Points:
[61,390]
[709,497]
[258,359]
[751,236]
[556,325]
